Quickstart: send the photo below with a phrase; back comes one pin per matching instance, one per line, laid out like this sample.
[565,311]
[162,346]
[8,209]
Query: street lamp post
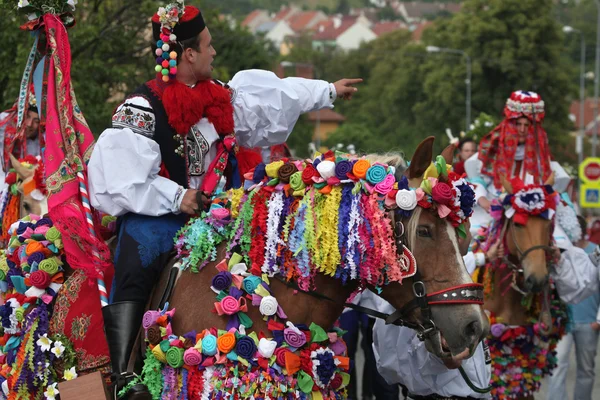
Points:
[435,49]
[289,64]
[580,137]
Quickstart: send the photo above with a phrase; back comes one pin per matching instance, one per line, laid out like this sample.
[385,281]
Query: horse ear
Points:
[506,184]
[448,154]
[550,180]
[420,161]
[21,171]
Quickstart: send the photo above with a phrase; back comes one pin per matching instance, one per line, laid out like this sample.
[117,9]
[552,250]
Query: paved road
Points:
[360,360]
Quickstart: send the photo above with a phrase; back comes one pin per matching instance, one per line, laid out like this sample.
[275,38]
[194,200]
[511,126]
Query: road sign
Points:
[589,178]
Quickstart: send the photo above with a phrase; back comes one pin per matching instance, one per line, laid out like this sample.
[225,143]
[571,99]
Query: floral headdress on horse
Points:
[498,148]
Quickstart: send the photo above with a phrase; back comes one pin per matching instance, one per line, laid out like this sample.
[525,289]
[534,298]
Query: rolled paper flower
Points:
[226,342]
[336,382]
[360,168]
[222,280]
[259,173]
[250,283]
[266,347]
[273,168]
[286,171]
[406,199]
[246,348]
[268,306]
[175,357]
[386,185]
[50,265]
[192,357]
[296,182]
[326,169]
[280,355]
[308,174]
[44,222]
[342,169]
[294,337]
[220,213]
[40,279]
[21,228]
[442,193]
[153,335]
[20,314]
[209,345]
[376,173]
[52,234]
[159,354]
[33,247]
[150,318]
[36,257]
[27,234]
[230,305]
[41,230]
[497,329]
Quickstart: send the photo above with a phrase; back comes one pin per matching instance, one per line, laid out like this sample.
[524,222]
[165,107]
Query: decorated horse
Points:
[261,278]
[526,316]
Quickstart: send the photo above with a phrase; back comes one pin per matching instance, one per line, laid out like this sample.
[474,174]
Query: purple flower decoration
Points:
[497,329]
[44,222]
[342,169]
[37,257]
[293,337]
[222,281]
[246,348]
[325,368]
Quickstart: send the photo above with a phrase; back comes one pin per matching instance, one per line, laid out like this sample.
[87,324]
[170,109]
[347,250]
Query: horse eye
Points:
[423,231]
[26,207]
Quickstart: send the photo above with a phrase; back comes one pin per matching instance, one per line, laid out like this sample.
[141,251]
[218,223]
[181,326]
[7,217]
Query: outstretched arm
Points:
[266,108]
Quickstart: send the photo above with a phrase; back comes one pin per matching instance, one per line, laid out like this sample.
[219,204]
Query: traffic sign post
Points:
[589,177]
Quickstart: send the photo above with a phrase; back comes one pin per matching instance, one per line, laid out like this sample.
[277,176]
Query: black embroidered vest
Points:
[166,137]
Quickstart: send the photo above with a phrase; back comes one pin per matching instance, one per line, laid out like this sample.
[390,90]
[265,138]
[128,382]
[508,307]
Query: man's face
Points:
[32,124]
[203,57]
[523,125]
[467,150]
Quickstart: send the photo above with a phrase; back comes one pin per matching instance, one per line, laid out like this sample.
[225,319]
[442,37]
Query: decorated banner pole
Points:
[88,216]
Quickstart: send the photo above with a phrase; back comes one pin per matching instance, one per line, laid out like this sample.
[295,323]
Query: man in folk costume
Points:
[170,143]
[517,147]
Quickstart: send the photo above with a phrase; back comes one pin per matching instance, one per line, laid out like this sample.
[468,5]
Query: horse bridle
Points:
[470,293]
[521,255]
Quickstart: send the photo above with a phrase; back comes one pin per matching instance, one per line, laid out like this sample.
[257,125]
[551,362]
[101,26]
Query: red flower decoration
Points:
[308,173]
[442,193]
[11,178]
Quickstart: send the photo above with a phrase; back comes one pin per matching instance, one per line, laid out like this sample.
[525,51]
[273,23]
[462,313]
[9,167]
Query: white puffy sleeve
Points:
[123,169]
[266,108]
[402,358]
[575,276]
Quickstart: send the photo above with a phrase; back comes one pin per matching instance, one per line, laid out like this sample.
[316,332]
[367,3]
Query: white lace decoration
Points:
[275,210]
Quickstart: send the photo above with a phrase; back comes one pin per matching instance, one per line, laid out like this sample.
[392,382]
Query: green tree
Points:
[111,53]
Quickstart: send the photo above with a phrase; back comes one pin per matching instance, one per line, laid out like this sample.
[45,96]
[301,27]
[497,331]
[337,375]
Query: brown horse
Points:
[519,301]
[432,240]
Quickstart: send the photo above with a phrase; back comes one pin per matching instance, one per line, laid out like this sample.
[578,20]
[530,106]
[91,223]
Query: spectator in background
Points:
[595,232]
[466,148]
[583,332]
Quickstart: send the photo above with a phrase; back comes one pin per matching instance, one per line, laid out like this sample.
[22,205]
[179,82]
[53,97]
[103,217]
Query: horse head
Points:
[33,200]
[436,232]
[529,213]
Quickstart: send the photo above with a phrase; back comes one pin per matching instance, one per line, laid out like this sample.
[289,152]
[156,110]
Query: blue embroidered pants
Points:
[143,249]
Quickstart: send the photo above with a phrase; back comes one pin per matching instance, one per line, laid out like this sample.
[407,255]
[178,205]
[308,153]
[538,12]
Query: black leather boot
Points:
[122,322]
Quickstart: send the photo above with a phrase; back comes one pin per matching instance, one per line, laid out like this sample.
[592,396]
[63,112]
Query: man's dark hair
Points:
[466,140]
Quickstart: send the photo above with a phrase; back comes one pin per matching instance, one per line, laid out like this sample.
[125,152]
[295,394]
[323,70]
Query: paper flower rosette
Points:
[529,200]
[31,273]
